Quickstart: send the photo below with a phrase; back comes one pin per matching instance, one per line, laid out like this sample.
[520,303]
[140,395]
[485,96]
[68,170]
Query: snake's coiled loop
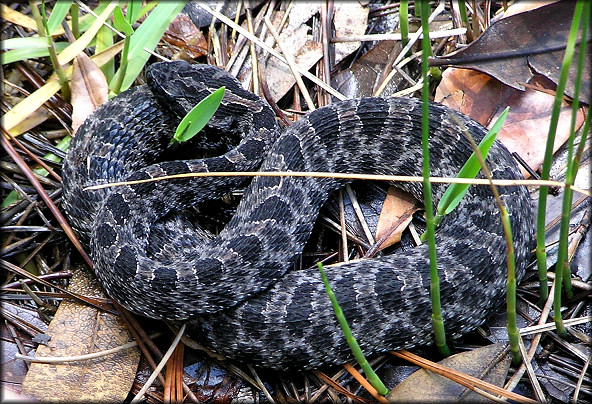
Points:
[237,290]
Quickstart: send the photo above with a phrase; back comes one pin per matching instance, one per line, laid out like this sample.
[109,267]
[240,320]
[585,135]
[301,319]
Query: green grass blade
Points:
[104,40]
[147,36]
[373,379]
[198,117]
[124,24]
[462,9]
[511,283]
[437,318]
[455,192]
[120,22]
[511,256]
[24,43]
[574,160]
[146,9]
[133,11]
[404,22]
[28,48]
[86,22]
[562,263]
[545,172]
[17,55]
[58,14]
[74,13]
[53,56]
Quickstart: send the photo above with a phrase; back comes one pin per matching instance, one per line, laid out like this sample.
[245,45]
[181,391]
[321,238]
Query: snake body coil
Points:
[238,291]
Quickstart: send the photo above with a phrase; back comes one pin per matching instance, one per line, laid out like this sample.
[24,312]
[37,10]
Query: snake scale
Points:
[239,292]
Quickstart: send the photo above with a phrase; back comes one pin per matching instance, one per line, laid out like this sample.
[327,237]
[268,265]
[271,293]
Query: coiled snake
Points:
[238,290]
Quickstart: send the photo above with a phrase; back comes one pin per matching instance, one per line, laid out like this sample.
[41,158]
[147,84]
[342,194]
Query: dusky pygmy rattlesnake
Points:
[238,291]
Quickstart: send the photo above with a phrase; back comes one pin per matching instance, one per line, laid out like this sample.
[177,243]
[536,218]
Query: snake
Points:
[241,292]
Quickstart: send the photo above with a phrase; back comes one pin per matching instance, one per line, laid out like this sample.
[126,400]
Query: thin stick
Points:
[263,45]
[345,257]
[581,379]
[156,372]
[291,64]
[359,214]
[260,384]
[575,282]
[324,67]
[98,303]
[52,207]
[34,157]
[459,377]
[253,51]
[396,37]
[349,176]
[551,326]
[79,358]
[536,386]
[412,39]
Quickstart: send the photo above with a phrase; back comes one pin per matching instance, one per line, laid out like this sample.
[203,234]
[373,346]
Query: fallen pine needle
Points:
[354,372]
[354,176]
[468,381]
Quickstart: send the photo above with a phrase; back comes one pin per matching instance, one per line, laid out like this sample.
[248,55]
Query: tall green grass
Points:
[437,319]
[562,274]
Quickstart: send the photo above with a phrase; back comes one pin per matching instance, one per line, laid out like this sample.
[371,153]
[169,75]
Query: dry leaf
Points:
[76,330]
[296,37]
[526,128]
[489,363]
[363,77]
[299,43]
[10,15]
[89,89]
[525,5]
[525,131]
[349,18]
[36,118]
[183,33]
[21,111]
[396,214]
[513,49]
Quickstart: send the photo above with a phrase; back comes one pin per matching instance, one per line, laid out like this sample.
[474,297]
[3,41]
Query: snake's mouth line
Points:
[351,176]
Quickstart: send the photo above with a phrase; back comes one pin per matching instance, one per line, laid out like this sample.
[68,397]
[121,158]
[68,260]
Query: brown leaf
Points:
[513,49]
[89,89]
[483,98]
[396,214]
[298,42]
[183,33]
[297,39]
[363,77]
[349,18]
[76,330]
[489,363]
